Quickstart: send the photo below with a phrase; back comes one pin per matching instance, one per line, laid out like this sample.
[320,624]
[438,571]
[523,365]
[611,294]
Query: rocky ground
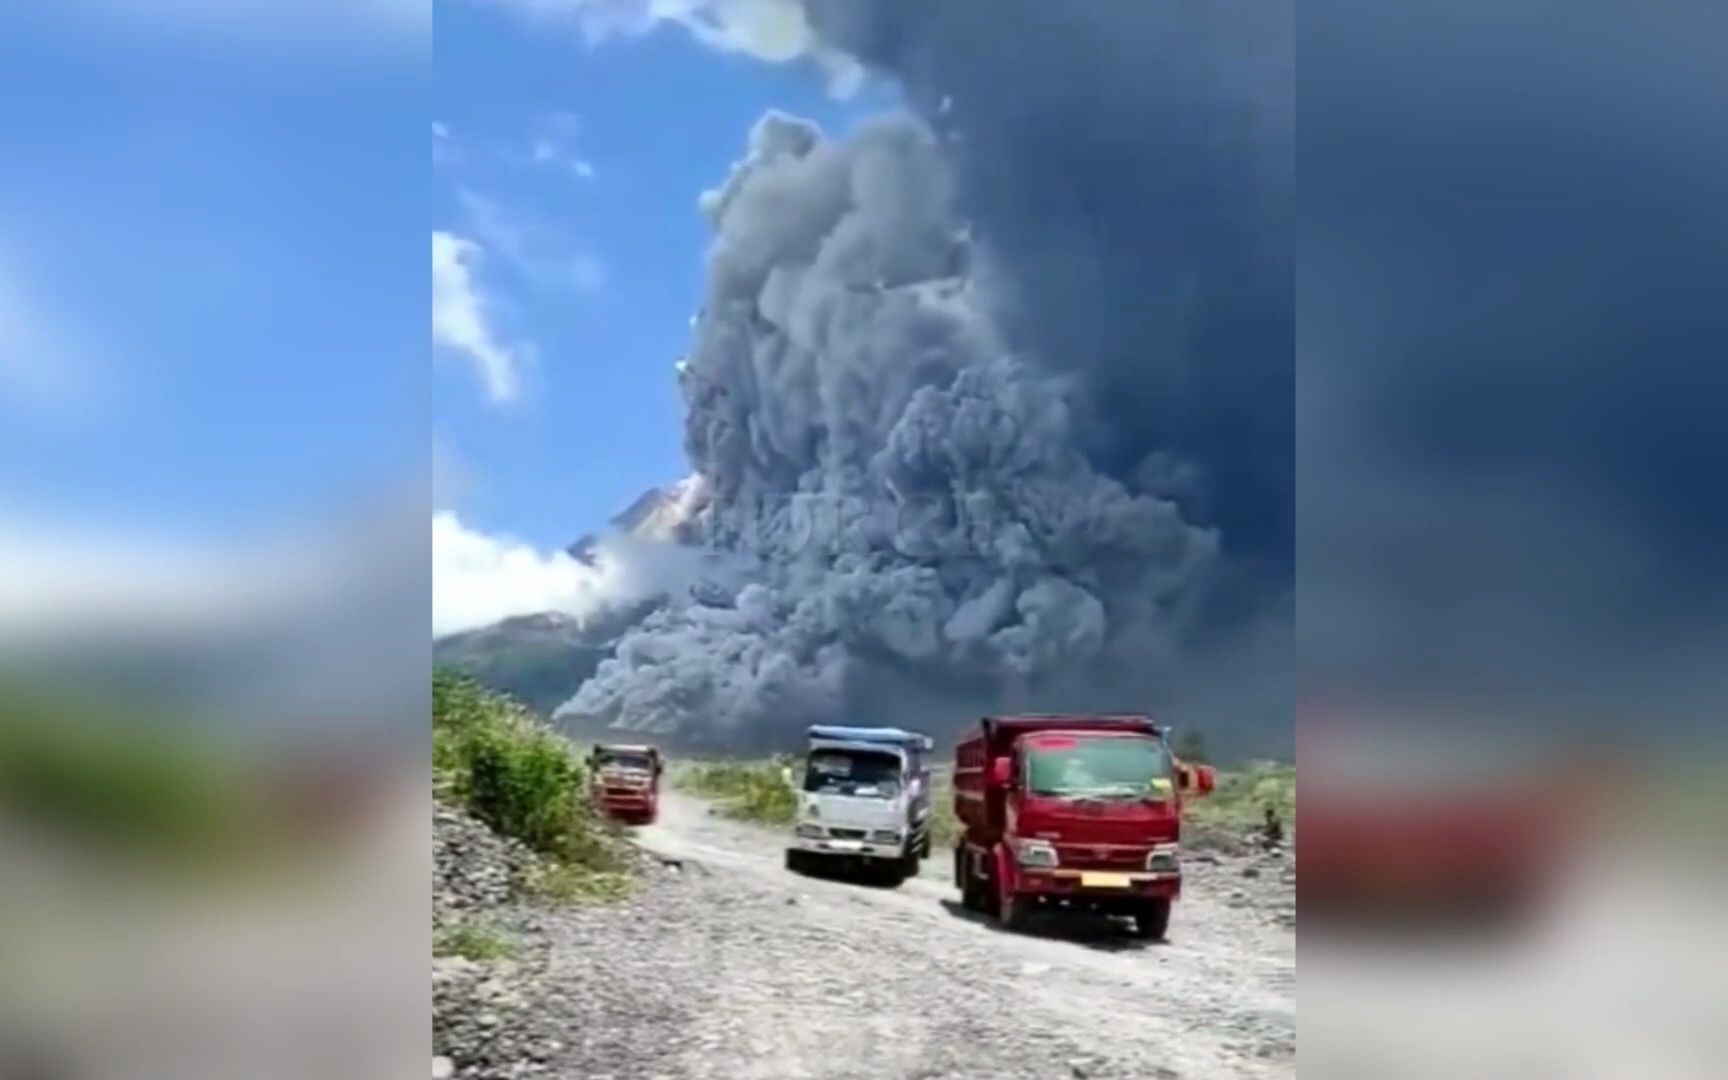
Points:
[723,966]
[537,1011]
[1255,879]
[473,868]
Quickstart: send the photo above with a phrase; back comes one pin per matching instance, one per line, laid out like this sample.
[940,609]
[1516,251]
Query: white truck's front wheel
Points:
[909,863]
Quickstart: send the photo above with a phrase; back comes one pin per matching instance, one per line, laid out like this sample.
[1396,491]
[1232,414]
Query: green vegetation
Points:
[493,756]
[944,826]
[472,941]
[757,791]
[123,783]
[536,659]
[746,790]
[1241,796]
[579,883]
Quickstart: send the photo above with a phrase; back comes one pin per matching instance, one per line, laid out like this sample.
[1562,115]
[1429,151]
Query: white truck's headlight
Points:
[885,836]
[1037,853]
[1162,859]
[809,830]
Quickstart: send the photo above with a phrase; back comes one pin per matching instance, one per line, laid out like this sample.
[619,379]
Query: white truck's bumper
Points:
[858,849]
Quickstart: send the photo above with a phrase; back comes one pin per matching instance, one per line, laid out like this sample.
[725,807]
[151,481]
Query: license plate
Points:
[1105,881]
[844,845]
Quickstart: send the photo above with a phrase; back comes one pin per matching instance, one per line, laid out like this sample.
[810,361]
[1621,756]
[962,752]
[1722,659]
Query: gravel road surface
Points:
[724,966]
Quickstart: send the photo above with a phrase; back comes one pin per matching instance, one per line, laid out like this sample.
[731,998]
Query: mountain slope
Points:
[659,514]
[539,659]
[542,658]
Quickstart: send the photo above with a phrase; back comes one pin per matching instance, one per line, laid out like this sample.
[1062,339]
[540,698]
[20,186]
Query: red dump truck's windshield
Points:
[639,762]
[1098,766]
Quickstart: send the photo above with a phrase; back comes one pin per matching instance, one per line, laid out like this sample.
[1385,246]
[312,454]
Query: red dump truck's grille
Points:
[1101,857]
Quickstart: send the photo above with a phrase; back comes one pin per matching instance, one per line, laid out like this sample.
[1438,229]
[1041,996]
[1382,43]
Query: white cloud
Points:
[478,579]
[771,30]
[60,576]
[289,622]
[462,319]
[555,145]
[547,153]
[542,249]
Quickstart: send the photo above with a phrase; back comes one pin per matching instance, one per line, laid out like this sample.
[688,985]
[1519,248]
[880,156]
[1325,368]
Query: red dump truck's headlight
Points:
[1163,859]
[1035,853]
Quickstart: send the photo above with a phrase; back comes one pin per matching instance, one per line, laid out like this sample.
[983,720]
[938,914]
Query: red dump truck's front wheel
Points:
[1012,908]
[1152,921]
[978,890]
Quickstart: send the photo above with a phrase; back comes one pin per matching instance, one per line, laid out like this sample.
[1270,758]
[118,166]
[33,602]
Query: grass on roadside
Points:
[746,790]
[493,756]
[569,883]
[1238,803]
[472,941]
[944,826]
[757,791]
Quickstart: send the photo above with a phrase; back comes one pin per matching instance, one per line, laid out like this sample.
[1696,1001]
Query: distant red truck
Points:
[624,782]
[1071,812]
[1433,822]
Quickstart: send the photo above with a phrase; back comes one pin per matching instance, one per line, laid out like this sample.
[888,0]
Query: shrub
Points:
[944,826]
[493,756]
[1241,796]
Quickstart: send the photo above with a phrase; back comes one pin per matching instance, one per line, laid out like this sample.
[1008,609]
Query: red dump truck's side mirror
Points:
[1198,779]
[1001,772]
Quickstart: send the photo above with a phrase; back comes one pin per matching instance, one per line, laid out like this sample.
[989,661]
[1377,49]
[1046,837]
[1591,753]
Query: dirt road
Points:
[731,968]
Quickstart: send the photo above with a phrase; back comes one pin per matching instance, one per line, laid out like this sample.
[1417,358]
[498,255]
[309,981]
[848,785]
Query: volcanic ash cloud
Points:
[908,495]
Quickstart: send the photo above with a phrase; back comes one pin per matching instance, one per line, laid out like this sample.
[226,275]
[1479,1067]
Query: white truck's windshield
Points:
[864,773]
[1098,766]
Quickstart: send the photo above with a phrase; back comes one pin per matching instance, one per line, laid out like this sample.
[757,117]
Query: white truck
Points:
[864,803]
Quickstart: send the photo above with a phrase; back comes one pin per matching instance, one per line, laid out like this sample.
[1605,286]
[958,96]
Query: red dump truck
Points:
[1071,812]
[1435,823]
[624,782]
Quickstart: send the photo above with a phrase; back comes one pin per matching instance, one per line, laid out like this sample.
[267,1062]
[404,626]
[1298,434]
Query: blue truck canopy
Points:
[880,735]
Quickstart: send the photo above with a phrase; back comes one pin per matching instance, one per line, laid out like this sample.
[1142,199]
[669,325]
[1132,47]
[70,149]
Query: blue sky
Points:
[588,252]
[212,280]
[213,277]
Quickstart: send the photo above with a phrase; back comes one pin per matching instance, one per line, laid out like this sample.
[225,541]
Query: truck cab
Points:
[863,802]
[1071,812]
[624,782]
